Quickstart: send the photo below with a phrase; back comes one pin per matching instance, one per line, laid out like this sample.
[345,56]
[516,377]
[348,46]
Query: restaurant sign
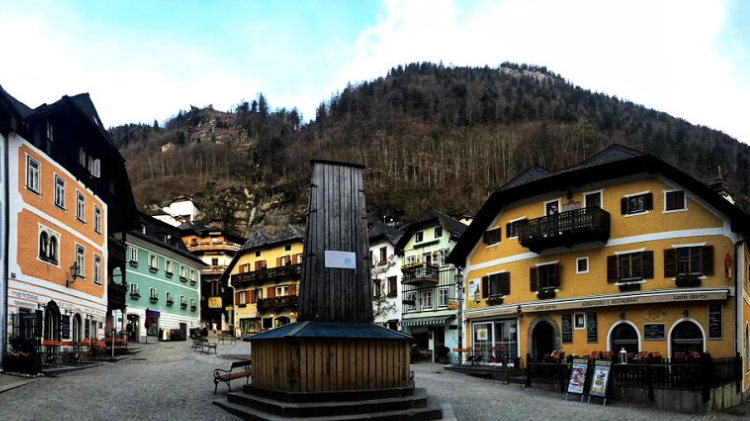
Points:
[506,311]
[214,302]
[626,300]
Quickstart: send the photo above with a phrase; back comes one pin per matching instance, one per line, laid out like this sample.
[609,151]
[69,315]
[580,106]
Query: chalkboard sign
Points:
[88,325]
[714,321]
[654,332]
[592,327]
[567,328]
[65,327]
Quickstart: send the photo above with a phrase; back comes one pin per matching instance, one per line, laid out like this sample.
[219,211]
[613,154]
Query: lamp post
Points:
[75,273]
[460,299]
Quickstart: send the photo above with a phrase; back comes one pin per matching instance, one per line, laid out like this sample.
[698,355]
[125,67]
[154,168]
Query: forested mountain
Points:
[430,136]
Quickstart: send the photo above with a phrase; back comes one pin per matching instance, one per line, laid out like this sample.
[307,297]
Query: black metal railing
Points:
[422,273]
[267,274]
[278,302]
[564,228]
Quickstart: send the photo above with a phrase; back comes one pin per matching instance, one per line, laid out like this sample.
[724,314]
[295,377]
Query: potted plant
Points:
[24,358]
[494,300]
[546,292]
[687,280]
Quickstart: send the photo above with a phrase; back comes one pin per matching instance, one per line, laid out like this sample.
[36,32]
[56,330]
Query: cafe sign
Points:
[627,300]
[214,302]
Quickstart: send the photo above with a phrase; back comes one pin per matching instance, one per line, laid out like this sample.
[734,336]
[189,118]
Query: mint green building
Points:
[163,281]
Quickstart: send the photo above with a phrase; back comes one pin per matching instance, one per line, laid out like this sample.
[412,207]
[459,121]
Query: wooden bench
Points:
[203,344]
[226,376]
[226,336]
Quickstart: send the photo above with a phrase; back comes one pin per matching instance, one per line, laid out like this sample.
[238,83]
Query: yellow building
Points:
[265,276]
[620,252]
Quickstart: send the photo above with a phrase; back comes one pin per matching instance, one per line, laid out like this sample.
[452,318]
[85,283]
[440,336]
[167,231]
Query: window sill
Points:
[168,274]
[153,270]
[134,263]
[636,214]
[675,210]
[62,208]
[33,191]
[492,245]
[630,281]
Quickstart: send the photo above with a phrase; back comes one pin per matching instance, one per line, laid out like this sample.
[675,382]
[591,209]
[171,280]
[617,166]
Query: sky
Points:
[145,60]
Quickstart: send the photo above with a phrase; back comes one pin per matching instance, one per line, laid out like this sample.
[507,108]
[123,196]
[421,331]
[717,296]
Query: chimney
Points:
[722,187]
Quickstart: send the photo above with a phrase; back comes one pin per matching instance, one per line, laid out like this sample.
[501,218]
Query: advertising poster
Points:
[474,289]
[578,376]
[482,334]
[601,375]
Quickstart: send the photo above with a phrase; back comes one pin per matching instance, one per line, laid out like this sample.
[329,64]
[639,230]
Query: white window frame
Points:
[559,205]
[281,290]
[664,200]
[168,297]
[133,254]
[183,300]
[36,181]
[416,237]
[575,318]
[168,266]
[411,296]
[82,263]
[134,288]
[243,298]
[192,303]
[601,197]
[97,219]
[192,275]
[422,300]
[153,292]
[82,156]
[97,170]
[59,194]
[643,212]
[50,234]
[440,297]
[183,272]
[97,269]
[588,267]
[80,206]
[434,232]
[511,223]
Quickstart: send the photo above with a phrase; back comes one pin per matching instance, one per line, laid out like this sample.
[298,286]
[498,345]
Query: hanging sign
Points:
[578,375]
[600,379]
[474,289]
[341,260]
[567,328]
[214,302]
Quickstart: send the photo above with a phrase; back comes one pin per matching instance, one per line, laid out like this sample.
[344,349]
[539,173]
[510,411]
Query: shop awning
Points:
[426,321]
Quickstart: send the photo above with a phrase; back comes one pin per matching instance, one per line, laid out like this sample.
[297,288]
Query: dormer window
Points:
[419,237]
[438,232]
[81,156]
[50,131]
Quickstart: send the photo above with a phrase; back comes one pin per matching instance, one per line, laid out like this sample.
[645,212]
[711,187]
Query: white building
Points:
[177,211]
[385,266]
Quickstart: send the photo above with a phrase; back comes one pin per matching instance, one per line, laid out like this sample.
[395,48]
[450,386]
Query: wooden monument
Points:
[334,363]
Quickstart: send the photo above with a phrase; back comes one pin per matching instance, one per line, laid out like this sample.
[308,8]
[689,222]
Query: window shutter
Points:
[558,268]
[707,260]
[612,269]
[293,289]
[270,292]
[533,278]
[505,283]
[247,296]
[237,297]
[648,201]
[670,199]
[485,286]
[670,262]
[647,262]
[294,259]
[278,262]
[507,230]
[624,206]
[253,297]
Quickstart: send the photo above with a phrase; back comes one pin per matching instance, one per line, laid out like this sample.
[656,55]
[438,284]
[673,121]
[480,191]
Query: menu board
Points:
[567,328]
[87,328]
[592,327]
[654,332]
[65,327]
[600,378]
[578,375]
[714,321]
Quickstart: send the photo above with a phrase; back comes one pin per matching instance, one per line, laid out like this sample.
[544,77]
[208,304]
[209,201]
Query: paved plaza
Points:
[168,381]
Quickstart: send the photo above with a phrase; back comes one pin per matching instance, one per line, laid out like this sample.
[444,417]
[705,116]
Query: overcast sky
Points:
[145,60]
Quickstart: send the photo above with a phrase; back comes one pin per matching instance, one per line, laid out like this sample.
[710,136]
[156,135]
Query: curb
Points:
[16,385]
[63,370]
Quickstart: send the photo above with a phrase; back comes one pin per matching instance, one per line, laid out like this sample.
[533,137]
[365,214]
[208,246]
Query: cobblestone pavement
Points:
[169,381]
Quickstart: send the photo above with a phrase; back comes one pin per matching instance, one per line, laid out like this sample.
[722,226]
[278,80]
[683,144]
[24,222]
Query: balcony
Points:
[268,274]
[135,295]
[170,302]
[213,270]
[218,246]
[277,303]
[154,300]
[420,274]
[564,229]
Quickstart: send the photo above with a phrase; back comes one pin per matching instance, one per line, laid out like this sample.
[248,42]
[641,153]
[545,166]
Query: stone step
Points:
[318,409]
[333,396]
[432,412]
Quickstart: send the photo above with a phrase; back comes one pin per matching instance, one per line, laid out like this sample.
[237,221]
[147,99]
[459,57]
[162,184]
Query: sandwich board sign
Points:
[577,382]
[600,379]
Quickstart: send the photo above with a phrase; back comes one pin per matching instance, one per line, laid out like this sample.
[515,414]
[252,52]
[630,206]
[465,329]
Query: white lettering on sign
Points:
[341,259]
[645,299]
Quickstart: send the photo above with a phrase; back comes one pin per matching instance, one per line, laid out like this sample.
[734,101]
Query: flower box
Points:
[495,300]
[687,280]
[548,292]
[22,363]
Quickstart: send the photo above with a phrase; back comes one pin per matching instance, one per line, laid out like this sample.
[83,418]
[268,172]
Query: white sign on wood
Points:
[341,259]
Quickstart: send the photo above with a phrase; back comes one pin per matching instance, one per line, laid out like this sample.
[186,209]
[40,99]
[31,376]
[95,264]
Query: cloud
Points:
[665,55]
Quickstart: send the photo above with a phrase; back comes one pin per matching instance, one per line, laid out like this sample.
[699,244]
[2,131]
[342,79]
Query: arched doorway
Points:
[52,322]
[542,340]
[281,321]
[624,335]
[77,328]
[686,337]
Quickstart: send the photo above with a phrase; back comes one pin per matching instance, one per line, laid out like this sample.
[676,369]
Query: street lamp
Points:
[75,273]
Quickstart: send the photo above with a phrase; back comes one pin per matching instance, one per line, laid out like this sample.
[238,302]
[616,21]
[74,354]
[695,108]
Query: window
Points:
[547,276]
[97,220]
[168,266]
[689,260]
[192,304]
[674,200]
[133,255]
[81,156]
[630,266]
[48,246]
[169,299]
[288,247]
[282,290]
[267,322]
[376,288]
[153,293]
[419,237]
[97,168]
[133,289]
[243,298]
[383,256]
[411,301]
[443,297]
[592,200]
[551,208]
[32,174]
[496,285]
[81,260]
[392,287]
[511,228]
[81,207]
[492,237]
[183,272]
[214,239]
[153,261]
[97,270]
[193,275]
[582,265]
[50,131]
[260,264]
[579,321]
[183,301]
[214,261]
[427,299]
[59,192]
[257,254]
[285,261]
[438,232]
[638,203]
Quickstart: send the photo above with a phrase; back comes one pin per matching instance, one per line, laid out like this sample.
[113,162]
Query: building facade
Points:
[163,281]
[63,177]
[429,289]
[216,248]
[622,253]
[265,276]
[385,268]
[177,211]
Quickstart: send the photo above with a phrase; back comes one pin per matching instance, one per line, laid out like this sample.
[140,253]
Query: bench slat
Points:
[235,376]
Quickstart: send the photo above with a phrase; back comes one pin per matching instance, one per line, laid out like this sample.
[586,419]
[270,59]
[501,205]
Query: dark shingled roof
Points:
[532,174]
[22,109]
[379,230]
[331,330]
[455,228]
[258,240]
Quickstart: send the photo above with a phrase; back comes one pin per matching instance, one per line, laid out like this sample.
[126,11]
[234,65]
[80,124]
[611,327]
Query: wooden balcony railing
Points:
[564,229]
[278,302]
[421,274]
[213,269]
[220,246]
[268,274]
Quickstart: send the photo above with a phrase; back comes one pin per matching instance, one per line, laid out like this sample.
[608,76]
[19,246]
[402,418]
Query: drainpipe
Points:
[739,292]
[6,236]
